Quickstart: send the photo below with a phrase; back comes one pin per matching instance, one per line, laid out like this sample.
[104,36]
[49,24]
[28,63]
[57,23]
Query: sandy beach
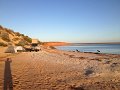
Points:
[60,45]
[60,70]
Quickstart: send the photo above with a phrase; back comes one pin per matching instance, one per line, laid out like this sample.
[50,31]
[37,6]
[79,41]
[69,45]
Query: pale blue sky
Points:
[63,20]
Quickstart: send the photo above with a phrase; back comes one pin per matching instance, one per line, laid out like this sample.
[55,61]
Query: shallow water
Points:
[104,48]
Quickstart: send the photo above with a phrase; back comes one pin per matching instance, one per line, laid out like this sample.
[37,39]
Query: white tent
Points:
[19,48]
[13,49]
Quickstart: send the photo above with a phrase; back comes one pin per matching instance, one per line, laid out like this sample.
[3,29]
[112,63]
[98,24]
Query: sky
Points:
[81,21]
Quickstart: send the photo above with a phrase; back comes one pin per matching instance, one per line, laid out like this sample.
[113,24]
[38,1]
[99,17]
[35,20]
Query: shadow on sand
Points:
[8,83]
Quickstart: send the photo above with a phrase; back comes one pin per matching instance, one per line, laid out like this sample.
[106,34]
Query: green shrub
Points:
[10,31]
[15,39]
[26,38]
[22,35]
[3,44]
[22,43]
[5,37]
[18,34]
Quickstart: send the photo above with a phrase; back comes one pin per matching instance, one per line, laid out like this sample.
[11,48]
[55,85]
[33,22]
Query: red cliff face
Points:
[55,43]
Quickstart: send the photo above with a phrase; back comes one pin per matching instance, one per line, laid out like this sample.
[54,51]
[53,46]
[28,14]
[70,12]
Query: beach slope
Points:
[60,70]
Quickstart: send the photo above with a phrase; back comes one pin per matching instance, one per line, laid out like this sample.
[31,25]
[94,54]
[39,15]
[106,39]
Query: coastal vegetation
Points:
[8,36]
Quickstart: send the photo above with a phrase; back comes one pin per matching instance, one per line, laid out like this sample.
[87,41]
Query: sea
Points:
[103,48]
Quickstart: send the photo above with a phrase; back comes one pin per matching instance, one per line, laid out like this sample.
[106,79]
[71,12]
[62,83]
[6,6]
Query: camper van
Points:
[35,45]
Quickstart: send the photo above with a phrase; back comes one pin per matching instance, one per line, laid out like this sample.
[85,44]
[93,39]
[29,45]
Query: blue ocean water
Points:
[104,48]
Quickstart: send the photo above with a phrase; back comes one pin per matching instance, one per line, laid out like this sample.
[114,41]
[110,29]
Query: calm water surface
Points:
[104,48]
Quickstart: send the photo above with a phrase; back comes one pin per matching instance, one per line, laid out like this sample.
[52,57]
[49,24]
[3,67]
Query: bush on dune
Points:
[3,44]
[5,37]
[18,34]
[22,43]
[10,31]
[26,38]
[15,39]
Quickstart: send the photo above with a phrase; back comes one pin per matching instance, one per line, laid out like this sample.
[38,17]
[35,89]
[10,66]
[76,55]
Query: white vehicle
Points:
[35,48]
[34,45]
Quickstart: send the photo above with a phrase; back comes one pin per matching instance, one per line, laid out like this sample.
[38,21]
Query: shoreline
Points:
[92,48]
